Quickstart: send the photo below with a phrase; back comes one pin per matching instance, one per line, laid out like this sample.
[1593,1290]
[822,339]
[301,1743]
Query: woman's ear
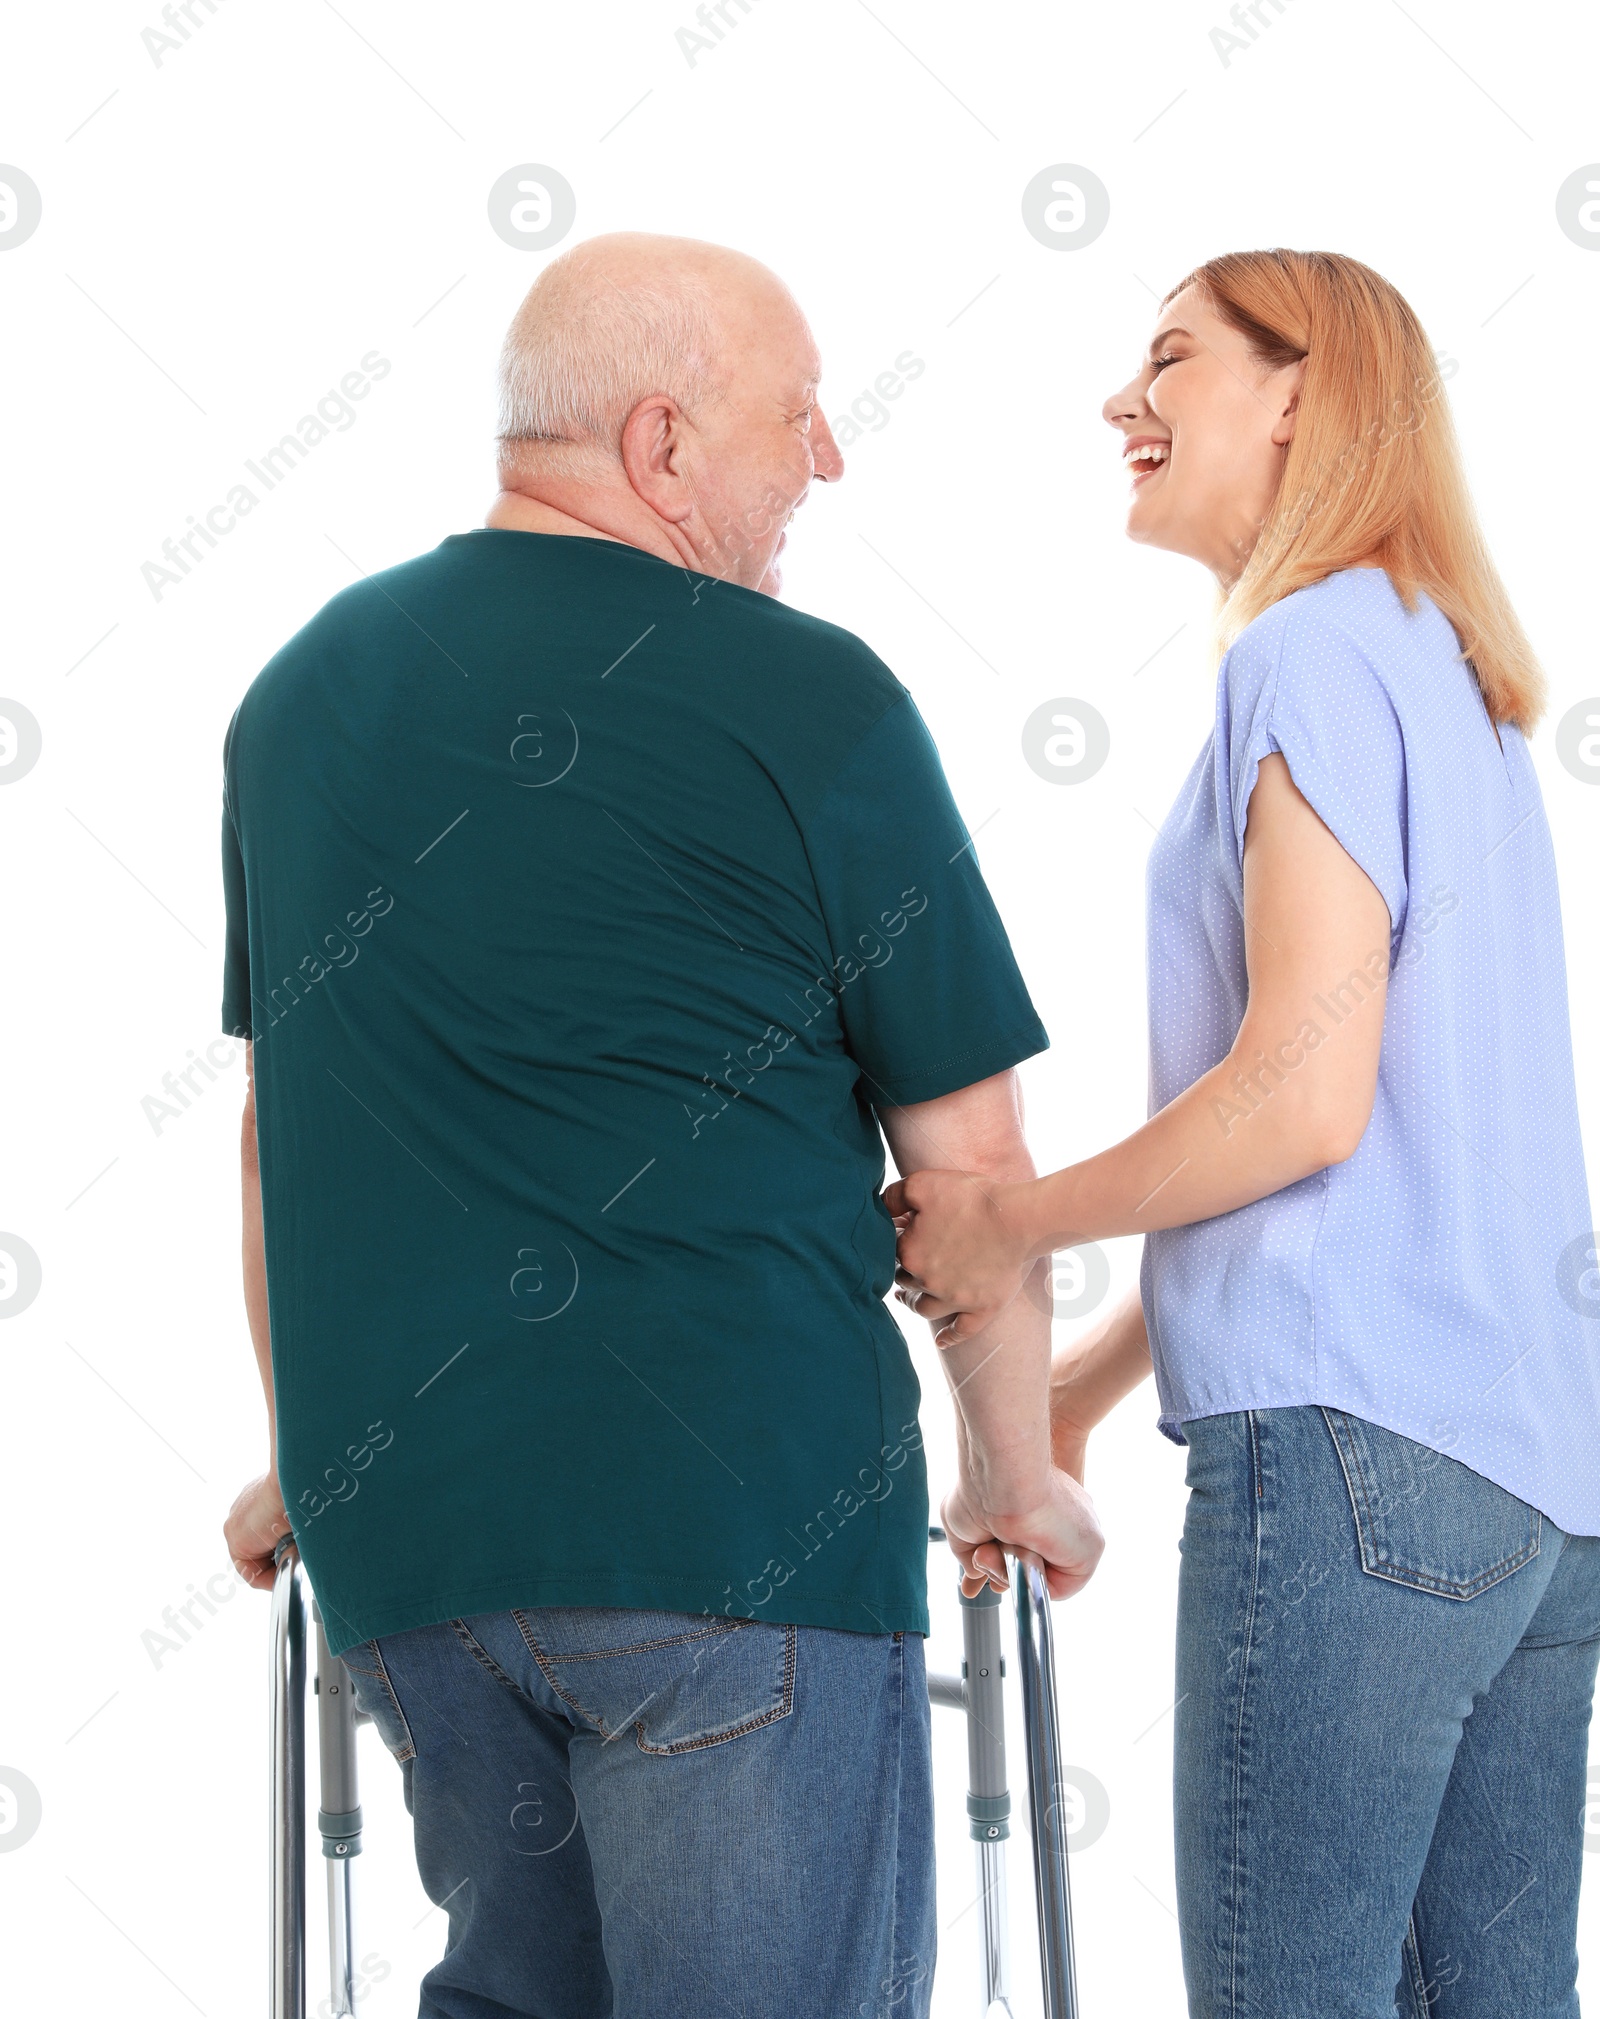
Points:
[1286,385]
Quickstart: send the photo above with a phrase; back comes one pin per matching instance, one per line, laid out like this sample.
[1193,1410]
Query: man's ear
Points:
[652,457]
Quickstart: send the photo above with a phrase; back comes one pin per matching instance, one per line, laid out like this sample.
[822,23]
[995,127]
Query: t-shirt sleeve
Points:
[1305,688]
[926,983]
[236,950]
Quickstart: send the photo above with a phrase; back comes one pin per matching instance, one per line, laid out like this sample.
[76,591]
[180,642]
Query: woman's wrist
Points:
[1042,1213]
[1089,1377]
[1074,1402]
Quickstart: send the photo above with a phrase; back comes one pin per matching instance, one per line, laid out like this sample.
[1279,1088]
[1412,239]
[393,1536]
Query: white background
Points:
[224,235]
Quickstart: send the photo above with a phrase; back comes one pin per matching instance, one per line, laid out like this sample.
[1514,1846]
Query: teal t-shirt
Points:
[581,911]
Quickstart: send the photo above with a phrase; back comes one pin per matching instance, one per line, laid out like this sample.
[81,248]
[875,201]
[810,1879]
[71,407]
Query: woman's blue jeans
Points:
[1385,1671]
[646,1815]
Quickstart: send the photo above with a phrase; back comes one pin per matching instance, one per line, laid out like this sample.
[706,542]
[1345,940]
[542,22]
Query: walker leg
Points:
[338,1814]
[1052,1890]
[288,1883]
[341,1941]
[988,1797]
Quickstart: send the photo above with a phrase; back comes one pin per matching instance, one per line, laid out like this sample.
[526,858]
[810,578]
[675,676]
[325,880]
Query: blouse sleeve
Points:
[1295,683]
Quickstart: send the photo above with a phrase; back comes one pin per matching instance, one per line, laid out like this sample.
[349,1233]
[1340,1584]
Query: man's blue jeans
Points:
[1385,1672]
[652,1814]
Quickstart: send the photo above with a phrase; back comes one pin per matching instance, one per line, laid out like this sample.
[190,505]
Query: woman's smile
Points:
[1145,456]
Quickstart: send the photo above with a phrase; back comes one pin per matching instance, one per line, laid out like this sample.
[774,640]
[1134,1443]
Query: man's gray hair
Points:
[584,350]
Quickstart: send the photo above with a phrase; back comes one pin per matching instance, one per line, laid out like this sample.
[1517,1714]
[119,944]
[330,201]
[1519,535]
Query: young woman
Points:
[1369,1265]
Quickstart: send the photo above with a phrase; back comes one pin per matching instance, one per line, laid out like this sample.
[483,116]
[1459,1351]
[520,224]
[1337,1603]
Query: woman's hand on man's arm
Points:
[1293,1095]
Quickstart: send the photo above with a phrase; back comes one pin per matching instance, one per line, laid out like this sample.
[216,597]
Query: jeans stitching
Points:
[897,1657]
[566,1696]
[1357,1491]
[781,1709]
[1358,1488]
[482,1656]
[380,1675]
[705,1632]
[1235,1874]
[1411,1959]
[1419,1580]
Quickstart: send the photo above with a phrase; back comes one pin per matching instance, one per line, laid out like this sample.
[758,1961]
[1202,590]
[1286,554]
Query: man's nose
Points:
[826,458]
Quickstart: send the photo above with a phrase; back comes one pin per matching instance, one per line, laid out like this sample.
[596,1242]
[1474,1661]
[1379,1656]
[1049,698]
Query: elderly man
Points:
[588,912]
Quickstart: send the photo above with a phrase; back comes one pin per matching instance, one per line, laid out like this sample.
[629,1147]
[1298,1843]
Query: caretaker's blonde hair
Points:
[1373,474]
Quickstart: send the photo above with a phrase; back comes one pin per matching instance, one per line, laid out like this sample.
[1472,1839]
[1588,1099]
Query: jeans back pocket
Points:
[1426,1520]
[375,1695]
[682,1681]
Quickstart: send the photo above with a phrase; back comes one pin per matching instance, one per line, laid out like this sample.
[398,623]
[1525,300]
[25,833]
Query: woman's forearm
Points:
[1092,1375]
[1295,1091]
[1250,1126]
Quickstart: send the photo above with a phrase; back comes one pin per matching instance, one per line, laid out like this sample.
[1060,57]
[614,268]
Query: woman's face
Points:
[1206,428]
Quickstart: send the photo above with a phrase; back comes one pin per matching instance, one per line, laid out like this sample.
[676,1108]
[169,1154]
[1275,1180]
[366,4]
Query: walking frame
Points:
[977,1691]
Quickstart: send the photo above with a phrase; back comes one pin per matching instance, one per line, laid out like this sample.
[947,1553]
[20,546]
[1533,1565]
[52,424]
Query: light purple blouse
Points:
[1443,1282]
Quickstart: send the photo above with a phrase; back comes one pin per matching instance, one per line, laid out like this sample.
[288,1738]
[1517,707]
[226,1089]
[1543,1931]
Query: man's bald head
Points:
[663,392]
[616,319]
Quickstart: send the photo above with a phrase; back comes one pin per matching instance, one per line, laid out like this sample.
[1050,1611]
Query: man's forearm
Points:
[254,1258]
[1000,1384]
[999,1379]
